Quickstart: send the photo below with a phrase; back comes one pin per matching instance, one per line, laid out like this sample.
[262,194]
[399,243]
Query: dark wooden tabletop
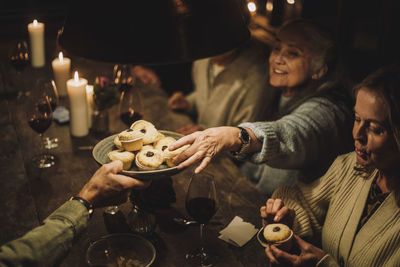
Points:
[28,195]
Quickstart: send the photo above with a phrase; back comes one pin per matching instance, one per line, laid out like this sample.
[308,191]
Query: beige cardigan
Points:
[331,208]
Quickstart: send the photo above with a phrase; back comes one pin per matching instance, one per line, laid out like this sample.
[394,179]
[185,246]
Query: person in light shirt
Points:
[351,215]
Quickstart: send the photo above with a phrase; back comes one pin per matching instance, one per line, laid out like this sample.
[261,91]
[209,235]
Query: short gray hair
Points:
[320,41]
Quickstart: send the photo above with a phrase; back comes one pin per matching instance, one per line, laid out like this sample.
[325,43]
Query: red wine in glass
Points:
[201,209]
[39,115]
[40,124]
[201,204]
[44,107]
[130,117]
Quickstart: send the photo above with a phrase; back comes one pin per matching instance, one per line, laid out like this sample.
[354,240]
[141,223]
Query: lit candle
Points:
[90,103]
[61,70]
[252,7]
[36,36]
[78,106]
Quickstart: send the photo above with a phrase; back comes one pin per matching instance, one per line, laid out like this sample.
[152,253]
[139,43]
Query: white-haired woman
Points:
[309,118]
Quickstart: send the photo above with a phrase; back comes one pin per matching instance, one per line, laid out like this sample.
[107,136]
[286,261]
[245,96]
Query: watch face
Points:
[244,136]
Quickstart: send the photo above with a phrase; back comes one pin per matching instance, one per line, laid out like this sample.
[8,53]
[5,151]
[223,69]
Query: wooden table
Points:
[28,195]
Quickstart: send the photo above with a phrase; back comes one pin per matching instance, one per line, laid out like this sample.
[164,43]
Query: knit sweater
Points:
[301,144]
[330,208]
[236,94]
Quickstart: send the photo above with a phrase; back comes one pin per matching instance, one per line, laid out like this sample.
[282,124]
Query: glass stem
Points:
[202,243]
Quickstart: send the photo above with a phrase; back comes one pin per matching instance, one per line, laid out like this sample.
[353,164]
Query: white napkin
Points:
[238,232]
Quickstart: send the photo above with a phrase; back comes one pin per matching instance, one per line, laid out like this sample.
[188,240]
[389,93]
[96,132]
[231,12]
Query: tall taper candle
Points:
[90,103]
[36,36]
[78,106]
[61,70]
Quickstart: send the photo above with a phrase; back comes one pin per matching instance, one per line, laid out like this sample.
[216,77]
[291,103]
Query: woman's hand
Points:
[178,102]
[310,255]
[275,211]
[205,145]
[190,128]
[108,187]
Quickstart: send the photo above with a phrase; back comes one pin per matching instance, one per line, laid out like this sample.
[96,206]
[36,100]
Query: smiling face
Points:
[290,60]
[374,142]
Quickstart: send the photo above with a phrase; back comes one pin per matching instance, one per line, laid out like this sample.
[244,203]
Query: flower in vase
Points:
[106,93]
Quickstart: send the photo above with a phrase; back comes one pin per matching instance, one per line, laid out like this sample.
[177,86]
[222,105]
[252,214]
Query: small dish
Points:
[121,250]
[106,145]
[285,245]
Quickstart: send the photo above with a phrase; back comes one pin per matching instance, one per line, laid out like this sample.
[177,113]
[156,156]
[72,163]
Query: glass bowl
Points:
[117,250]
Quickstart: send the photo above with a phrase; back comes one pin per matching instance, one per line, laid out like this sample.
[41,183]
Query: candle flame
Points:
[76,77]
[252,7]
[269,6]
[291,2]
[35,22]
[60,57]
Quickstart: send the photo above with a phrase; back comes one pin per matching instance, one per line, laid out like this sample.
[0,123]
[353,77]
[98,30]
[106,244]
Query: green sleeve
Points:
[50,242]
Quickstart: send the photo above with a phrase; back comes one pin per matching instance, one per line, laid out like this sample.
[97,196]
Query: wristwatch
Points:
[244,139]
[85,203]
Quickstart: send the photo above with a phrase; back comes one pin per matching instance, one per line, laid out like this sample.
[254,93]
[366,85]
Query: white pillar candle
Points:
[78,106]
[61,70]
[90,103]
[36,36]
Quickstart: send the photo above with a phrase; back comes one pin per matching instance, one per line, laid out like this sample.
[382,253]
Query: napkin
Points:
[61,115]
[238,232]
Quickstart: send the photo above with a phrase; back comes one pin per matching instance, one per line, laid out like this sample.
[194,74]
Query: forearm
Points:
[308,135]
[50,242]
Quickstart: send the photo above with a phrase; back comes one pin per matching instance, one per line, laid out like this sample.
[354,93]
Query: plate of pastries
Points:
[143,150]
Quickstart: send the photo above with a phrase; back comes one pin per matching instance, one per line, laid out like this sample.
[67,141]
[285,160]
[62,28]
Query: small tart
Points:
[159,136]
[163,143]
[149,159]
[131,140]
[170,154]
[129,134]
[117,143]
[277,233]
[125,156]
[145,147]
[149,131]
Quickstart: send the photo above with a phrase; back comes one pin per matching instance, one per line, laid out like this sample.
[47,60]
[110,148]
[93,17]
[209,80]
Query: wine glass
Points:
[18,55]
[48,89]
[201,204]
[39,116]
[130,104]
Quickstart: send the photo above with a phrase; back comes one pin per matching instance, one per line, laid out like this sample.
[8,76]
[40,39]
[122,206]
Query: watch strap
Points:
[88,206]
[244,139]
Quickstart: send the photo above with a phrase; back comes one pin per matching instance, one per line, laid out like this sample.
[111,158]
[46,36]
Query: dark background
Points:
[366,31]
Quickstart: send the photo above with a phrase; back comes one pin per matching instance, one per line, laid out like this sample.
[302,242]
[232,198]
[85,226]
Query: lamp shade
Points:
[153,31]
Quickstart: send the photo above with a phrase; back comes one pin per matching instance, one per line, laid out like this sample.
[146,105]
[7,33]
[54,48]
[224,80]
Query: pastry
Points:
[149,159]
[125,156]
[150,133]
[146,147]
[131,140]
[170,154]
[278,234]
[117,143]
[163,143]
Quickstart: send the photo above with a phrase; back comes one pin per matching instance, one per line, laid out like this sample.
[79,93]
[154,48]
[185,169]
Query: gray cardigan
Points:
[303,143]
